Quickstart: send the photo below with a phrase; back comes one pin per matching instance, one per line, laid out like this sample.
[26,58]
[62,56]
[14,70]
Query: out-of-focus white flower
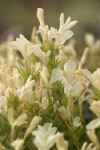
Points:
[95,79]
[95,107]
[18,144]
[20,120]
[14,80]
[84,57]
[70,83]
[93,44]
[76,122]
[86,73]
[93,137]
[93,124]
[26,89]
[24,46]
[35,121]
[61,143]
[45,137]
[85,146]
[14,143]
[89,38]
[63,34]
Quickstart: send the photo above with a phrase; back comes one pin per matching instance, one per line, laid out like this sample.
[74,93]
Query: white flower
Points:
[85,146]
[43,57]
[64,113]
[70,83]
[94,124]
[35,121]
[76,122]
[44,77]
[89,38]
[38,67]
[66,53]
[24,46]
[40,16]
[14,143]
[95,79]
[93,137]
[93,44]
[42,28]
[15,80]
[95,107]
[56,75]
[26,89]
[45,137]
[63,34]
[20,120]
[18,144]
[61,143]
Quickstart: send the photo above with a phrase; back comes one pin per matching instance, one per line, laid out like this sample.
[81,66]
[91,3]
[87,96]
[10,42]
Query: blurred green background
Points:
[19,16]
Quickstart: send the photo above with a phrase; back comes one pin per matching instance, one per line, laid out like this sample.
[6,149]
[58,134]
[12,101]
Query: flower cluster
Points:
[47,99]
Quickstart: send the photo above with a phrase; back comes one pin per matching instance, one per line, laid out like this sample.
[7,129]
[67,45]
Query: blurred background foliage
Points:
[19,16]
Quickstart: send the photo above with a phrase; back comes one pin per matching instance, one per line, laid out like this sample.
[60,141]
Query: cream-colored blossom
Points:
[18,144]
[38,67]
[56,75]
[14,80]
[64,113]
[45,137]
[25,89]
[44,57]
[93,137]
[35,121]
[93,44]
[24,46]
[44,77]
[71,84]
[20,120]
[61,143]
[95,79]
[95,107]
[92,77]
[66,53]
[85,146]
[94,124]
[43,29]
[76,122]
[63,34]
